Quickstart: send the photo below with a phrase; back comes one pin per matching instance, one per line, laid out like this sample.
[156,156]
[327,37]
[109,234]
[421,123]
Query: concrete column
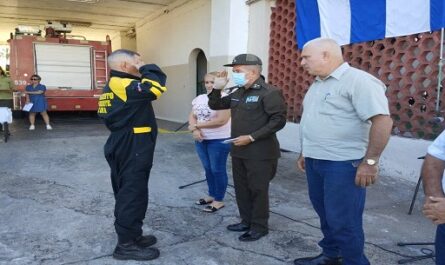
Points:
[259,30]
[229,31]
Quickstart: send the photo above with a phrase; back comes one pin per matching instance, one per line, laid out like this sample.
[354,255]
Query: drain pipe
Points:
[439,76]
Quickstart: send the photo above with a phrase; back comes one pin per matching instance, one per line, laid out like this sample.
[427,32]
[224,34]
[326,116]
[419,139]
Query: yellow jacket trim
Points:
[156,92]
[155,84]
[119,85]
[142,129]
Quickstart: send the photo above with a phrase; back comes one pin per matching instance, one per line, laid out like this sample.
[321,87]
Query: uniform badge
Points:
[252,99]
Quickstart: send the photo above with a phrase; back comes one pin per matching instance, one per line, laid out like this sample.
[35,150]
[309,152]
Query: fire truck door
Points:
[64,66]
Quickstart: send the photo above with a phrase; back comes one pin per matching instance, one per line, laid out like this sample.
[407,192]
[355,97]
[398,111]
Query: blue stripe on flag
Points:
[437,14]
[368,19]
[308,21]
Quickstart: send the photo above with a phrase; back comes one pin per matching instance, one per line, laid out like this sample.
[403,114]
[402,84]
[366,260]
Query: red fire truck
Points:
[74,71]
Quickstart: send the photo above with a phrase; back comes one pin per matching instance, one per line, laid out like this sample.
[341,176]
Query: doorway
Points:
[201,70]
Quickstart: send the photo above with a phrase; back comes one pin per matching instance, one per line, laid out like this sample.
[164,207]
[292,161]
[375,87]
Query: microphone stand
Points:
[191,184]
[401,244]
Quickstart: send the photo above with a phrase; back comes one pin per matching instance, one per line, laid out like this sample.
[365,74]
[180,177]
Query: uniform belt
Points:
[141,129]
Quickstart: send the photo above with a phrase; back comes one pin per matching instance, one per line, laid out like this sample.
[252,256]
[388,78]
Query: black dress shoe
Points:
[133,251]
[319,260]
[240,227]
[252,236]
[146,241]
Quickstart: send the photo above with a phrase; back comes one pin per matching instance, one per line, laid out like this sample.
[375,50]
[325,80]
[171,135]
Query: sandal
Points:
[203,201]
[211,208]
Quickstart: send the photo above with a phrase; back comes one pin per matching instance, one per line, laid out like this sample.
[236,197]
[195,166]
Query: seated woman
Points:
[210,128]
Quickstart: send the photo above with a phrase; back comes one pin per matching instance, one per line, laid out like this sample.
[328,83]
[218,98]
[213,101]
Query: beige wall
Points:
[171,41]
[120,40]
[175,104]
[259,30]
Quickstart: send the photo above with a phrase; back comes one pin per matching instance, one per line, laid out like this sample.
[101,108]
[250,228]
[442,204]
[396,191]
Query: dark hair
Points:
[2,72]
[38,76]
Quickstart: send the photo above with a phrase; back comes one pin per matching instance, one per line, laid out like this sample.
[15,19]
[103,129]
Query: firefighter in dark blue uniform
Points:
[125,107]
[258,111]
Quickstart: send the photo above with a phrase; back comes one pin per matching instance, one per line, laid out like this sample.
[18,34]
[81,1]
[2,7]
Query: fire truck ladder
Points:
[100,68]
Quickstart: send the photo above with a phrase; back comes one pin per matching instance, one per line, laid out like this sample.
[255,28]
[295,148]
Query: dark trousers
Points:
[251,179]
[339,203]
[440,245]
[130,157]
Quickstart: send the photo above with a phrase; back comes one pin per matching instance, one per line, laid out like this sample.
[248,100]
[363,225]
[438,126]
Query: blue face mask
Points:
[239,79]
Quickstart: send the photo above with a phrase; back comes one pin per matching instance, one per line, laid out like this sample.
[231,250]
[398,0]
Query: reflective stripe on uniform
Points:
[142,129]
[156,88]
[155,84]
[119,85]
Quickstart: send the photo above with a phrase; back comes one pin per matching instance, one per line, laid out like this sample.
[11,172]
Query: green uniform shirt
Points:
[259,111]
[5,87]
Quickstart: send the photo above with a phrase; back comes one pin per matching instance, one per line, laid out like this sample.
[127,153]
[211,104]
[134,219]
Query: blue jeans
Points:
[440,245]
[213,155]
[339,203]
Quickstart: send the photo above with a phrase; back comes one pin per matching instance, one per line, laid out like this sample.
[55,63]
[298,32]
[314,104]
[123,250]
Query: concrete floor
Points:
[56,205]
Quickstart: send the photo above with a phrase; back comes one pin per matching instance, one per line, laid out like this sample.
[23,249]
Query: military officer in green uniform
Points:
[258,111]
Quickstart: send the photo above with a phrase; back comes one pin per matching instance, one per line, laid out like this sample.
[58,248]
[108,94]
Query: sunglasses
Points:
[35,79]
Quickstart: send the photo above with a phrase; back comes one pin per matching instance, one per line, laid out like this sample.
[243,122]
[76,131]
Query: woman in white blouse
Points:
[210,128]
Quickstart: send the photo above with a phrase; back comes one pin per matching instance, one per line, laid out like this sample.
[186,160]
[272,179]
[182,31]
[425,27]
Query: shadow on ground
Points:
[56,205]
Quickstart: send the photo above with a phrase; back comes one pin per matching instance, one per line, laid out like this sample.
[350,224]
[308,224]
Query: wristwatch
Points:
[371,162]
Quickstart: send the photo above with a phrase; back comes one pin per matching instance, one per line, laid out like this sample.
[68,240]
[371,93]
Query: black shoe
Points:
[240,227]
[146,241]
[133,251]
[252,235]
[319,260]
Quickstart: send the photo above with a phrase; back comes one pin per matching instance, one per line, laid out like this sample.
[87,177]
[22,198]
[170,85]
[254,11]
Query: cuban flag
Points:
[352,21]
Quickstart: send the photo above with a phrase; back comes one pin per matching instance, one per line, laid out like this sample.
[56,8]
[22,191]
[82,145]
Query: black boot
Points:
[319,260]
[252,235]
[238,227]
[146,241]
[133,251]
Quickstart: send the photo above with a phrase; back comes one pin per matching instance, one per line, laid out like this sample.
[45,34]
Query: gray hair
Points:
[121,55]
[326,44]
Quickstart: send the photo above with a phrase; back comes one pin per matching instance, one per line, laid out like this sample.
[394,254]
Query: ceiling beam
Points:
[65,10]
[143,2]
[44,21]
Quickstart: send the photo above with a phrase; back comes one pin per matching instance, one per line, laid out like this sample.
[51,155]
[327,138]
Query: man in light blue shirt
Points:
[434,187]
[344,128]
